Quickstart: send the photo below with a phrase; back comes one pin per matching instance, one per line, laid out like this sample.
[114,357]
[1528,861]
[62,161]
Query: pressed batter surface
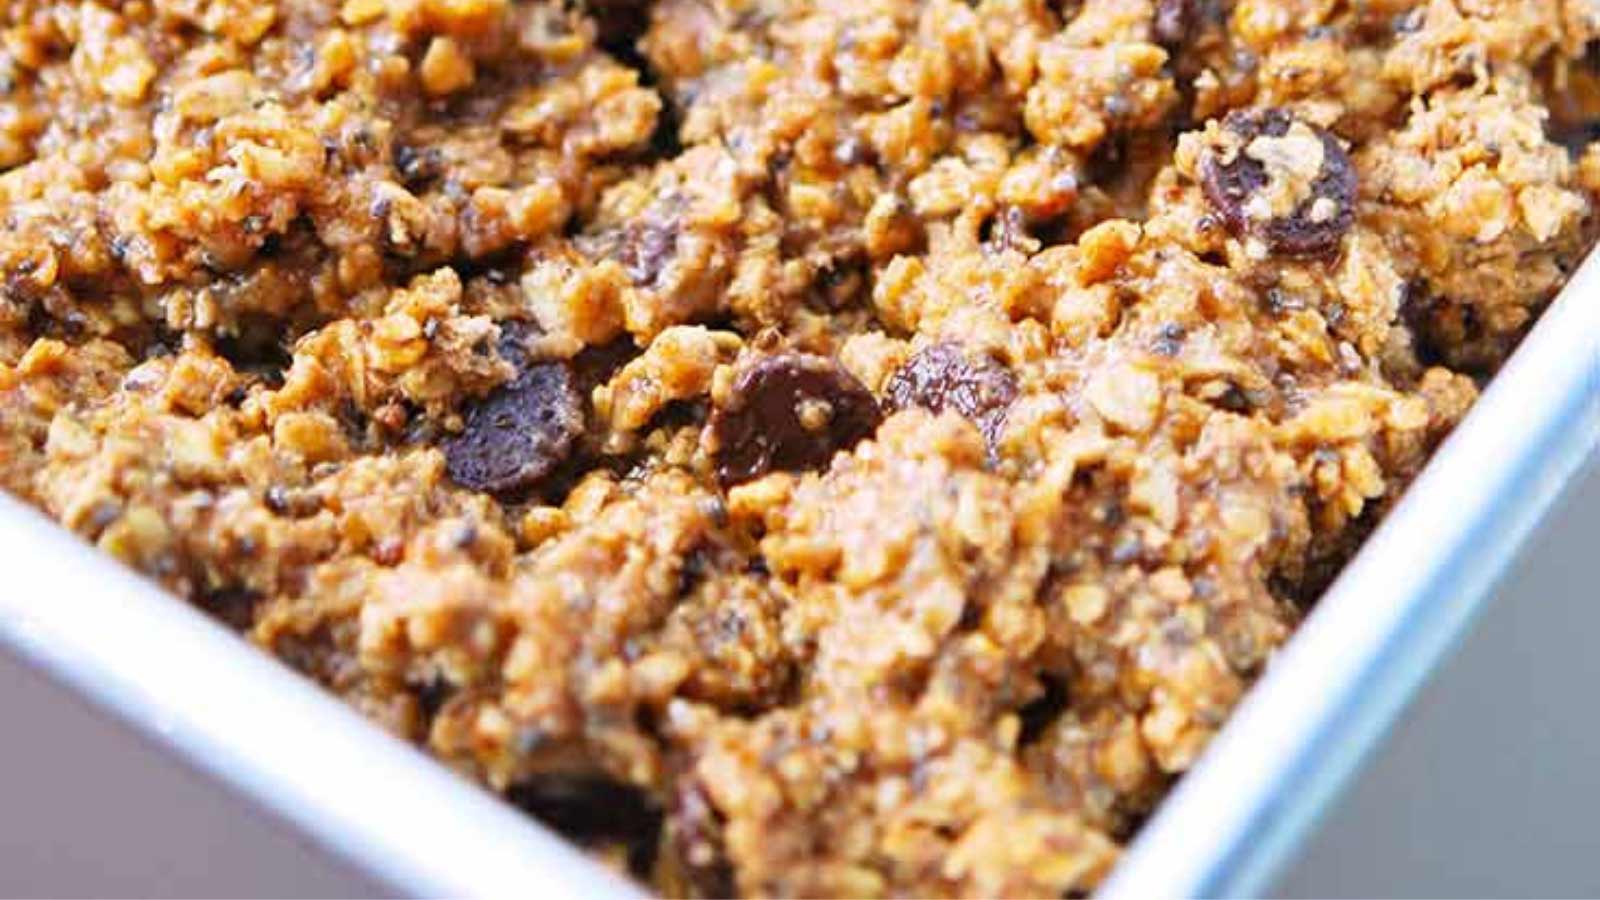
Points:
[824,447]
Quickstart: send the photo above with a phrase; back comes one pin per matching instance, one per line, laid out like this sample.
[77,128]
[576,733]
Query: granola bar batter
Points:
[795,447]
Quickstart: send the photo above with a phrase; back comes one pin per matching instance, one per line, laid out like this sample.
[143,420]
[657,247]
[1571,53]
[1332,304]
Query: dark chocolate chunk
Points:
[522,430]
[1574,136]
[592,809]
[941,377]
[432,694]
[619,22]
[1041,712]
[234,607]
[789,412]
[417,167]
[1317,223]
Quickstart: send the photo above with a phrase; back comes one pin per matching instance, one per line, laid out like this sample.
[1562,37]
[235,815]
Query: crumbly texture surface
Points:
[795,447]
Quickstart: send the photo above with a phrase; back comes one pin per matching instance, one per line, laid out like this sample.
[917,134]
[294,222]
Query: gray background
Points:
[1487,787]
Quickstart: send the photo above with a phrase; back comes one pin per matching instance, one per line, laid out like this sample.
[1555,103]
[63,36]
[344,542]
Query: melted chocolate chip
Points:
[620,22]
[1040,713]
[432,694]
[417,167]
[234,607]
[1575,137]
[591,809]
[520,432]
[1317,223]
[941,378]
[789,412]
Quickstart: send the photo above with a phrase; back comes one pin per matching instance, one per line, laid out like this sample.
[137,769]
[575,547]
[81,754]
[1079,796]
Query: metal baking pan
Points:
[413,826]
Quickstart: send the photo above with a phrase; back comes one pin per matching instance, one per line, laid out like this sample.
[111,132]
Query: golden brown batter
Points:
[796,447]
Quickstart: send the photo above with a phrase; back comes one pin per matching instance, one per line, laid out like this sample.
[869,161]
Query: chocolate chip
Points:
[522,430]
[431,695]
[417,167]
[593,809]
[619,22]
[1041,712]
[789,412]
[1317,224]
[941,377]
[1574,136]
[234,607]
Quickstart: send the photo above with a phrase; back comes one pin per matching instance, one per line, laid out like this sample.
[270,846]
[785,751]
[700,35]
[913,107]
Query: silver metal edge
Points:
[1404,601]
[246,719]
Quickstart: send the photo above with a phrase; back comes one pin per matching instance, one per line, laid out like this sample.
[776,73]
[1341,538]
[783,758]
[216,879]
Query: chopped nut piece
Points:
[446,68]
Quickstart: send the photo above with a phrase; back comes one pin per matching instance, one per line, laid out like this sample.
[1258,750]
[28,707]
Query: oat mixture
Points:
[794,447]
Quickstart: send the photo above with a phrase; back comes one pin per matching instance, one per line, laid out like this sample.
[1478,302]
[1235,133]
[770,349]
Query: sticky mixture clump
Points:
[794,447]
